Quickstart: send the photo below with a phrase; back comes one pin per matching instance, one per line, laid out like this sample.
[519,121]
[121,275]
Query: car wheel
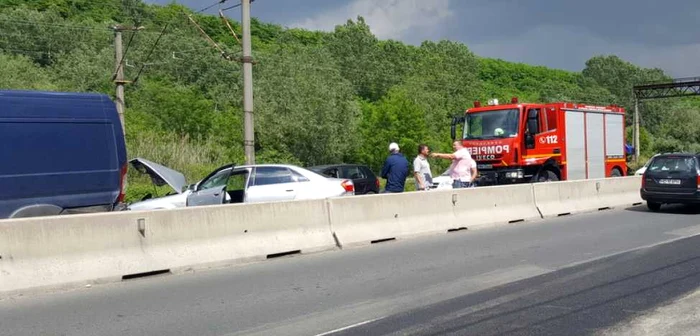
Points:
[653,206]
[616,173]
[547,176]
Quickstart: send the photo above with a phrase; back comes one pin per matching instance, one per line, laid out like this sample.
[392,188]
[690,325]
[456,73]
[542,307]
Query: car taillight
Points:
[378,183]
[698,182]
[348,186]
[122,184]
[644,180]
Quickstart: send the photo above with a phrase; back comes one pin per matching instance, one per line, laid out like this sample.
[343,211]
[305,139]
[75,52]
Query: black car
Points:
[671,178]
[364,179]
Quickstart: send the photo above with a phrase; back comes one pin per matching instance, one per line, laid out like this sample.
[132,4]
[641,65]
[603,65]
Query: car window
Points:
[216,180]
[367,172]
[330,172]
[272,175]
[672,164]
[353,172]
[297,177]
[238,180]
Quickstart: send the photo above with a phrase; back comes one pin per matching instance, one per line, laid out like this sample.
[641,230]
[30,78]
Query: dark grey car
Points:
[671,179]
[365,181]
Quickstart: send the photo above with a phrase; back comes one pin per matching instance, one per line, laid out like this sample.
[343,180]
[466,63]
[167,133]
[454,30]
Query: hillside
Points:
[319,97]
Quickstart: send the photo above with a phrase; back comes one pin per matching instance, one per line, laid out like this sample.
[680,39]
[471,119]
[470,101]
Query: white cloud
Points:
[387,18]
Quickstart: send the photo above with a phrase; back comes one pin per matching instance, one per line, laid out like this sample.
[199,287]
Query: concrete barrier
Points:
[82,249]
[366,219]
[93,248]
[568,197]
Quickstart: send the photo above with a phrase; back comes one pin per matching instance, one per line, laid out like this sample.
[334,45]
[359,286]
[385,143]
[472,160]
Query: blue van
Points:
[60,153]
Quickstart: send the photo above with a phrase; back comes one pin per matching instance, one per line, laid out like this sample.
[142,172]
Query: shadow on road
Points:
[575,301]
[671,209]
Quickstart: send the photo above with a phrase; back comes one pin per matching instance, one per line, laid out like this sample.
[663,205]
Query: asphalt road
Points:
[562,276]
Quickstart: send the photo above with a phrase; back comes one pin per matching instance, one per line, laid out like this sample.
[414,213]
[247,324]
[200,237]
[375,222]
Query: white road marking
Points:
[349,327]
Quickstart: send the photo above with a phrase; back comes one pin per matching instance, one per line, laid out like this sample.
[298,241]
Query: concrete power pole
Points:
[119,70]
[636,129]
[249,135]
[119,79]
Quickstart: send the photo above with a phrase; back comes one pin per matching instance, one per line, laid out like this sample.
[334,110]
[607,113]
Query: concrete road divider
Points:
[568,197]
[366,219]
[82,249]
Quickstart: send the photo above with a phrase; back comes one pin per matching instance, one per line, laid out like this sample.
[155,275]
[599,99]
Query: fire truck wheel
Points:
[547,176]
[616,173]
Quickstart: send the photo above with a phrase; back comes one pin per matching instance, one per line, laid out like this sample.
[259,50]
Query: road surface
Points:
[566,274]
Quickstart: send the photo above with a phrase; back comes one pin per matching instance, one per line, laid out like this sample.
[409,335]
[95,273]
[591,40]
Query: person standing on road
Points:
[395,170]
[421,169]
[463,169]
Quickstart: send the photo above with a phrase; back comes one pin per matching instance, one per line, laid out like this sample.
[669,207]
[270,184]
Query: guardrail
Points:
[76,250]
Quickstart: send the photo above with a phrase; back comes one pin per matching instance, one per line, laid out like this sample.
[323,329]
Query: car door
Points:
[358,177]
[271,184]
[212,189]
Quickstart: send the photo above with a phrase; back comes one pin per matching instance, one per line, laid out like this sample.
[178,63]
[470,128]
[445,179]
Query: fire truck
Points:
[525,143]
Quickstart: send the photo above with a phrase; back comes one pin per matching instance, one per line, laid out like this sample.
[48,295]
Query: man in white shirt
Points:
[421,169]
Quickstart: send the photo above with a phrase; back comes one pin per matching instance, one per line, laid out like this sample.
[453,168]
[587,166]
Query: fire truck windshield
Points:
[492,124]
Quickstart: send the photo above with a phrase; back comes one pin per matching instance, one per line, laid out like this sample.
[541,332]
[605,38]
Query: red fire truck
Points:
[523,143]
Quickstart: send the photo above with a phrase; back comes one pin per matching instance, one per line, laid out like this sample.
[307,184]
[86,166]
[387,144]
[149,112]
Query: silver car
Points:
[239,184]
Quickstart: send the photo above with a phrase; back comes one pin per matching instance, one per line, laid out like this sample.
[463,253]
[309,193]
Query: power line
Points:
[211,6]
[150,53]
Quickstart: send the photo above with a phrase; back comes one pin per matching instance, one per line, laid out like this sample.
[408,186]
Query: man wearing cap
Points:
[395,170]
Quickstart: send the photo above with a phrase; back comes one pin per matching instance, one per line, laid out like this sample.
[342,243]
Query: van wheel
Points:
[547,176]
[654,206]
[616,173]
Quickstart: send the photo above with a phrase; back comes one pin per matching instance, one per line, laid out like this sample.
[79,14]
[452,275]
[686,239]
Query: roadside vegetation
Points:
[320,97]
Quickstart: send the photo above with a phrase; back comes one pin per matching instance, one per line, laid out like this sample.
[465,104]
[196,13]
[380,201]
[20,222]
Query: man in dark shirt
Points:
[395,170]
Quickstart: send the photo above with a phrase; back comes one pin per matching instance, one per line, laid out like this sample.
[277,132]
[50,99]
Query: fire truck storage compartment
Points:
[592,137]
[595,140]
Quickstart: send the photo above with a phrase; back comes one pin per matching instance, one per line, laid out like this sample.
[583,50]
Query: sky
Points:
[559,34]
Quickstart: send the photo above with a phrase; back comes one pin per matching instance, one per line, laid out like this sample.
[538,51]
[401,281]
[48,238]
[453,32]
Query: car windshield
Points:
[672,164]
[492,124]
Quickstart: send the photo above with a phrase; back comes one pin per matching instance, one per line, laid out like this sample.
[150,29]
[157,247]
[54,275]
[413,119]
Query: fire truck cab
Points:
[524,143]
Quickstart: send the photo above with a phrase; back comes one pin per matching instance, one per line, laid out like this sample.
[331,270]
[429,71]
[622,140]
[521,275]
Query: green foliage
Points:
[19,72]
[319,97]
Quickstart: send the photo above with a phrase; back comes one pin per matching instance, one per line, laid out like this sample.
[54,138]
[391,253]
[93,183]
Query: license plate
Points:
[484,166]
[673,182]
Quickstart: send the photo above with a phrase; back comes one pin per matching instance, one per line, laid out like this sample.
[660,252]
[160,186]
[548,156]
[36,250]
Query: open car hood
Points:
[160,175]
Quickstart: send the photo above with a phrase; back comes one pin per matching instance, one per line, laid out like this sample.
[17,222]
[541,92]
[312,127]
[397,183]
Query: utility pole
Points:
[119,79]
[636,129]
[119,70]
[249,135]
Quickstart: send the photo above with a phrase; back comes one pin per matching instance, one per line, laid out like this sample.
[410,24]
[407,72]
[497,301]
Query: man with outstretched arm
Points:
[463,169]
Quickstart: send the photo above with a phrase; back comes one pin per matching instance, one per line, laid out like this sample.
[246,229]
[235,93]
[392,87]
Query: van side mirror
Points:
[453,128]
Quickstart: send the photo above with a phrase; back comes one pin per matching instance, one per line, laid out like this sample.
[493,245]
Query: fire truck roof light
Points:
[514,100]
[477,103]
[493,101]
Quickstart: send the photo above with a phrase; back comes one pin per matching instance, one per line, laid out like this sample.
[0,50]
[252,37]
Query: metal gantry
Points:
[679,87]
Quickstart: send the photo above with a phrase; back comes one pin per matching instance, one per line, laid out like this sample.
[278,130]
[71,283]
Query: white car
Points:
[240,184]
[443,181]
[641,171]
